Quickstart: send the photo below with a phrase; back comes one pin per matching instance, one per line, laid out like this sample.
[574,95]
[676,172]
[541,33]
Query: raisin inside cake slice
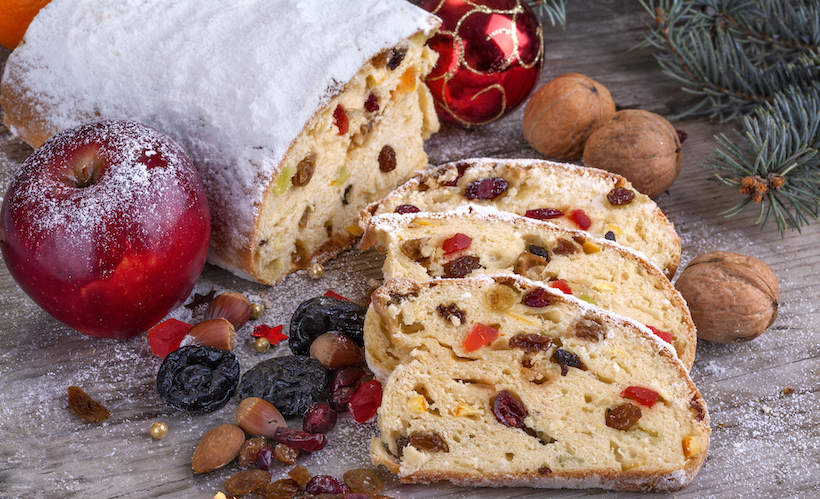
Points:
[530,387]
[601,203]
[473,240]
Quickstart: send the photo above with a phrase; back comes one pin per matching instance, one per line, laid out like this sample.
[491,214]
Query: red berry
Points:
[340,119]
[372,103]
[309,442]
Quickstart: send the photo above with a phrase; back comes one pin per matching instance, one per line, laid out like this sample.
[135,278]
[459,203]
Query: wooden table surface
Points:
[765,443]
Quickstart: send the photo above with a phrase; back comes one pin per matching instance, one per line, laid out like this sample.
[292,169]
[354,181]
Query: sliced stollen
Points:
[296,114]
[474,240]
[572,196]
[530,387]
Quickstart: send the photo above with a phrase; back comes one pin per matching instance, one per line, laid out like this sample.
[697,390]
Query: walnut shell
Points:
[641,146]
[732,297]
[560,115]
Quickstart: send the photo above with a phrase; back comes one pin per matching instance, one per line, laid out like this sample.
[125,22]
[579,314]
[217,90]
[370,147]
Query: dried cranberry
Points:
[456,243]
[372,103]
[567,359]
[356,495]
[404,209]
[460,267]
[302,440]
[544,213]
[387,159]
[366,401]
[346,377]
[537,298]
[460,169]
[319,418]
[509,411]
[341,397]
[531,342]
[620,196]
[580,218]
[326,484]
[264,457]
[681,135]
[340,119]
[486,188]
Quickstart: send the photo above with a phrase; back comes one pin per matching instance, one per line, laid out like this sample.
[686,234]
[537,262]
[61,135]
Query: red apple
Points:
[106,227]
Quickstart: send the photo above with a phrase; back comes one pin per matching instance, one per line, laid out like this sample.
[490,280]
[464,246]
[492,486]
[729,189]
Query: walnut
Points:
[641,146]
[560,115]
[732,297]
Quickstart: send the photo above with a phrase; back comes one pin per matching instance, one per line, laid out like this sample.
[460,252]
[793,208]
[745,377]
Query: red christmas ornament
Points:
[490,58]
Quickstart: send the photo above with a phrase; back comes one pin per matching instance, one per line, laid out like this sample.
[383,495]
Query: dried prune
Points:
[197,378]
[321,314]
[291,383]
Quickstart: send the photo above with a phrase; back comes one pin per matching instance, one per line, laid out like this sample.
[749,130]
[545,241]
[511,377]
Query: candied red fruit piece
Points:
[509,411]
[486,188]
[456,243]
[580,218]
[166,336]
[562,286]
[536,298]
[544,213]
[667,337]
[479,336]
[620,196]
[404,209]
[302,440]
[366,401]
[641,395]
[340,119]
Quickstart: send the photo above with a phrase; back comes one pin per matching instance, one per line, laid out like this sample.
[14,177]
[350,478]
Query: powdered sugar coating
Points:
[233,83]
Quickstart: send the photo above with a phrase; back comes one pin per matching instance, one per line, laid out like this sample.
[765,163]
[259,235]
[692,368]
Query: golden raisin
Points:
[430,442]
[300,474]
[285,488]
[86,407]
[285,453]
[246,481]
[247,456]
[363,481]
[623,417]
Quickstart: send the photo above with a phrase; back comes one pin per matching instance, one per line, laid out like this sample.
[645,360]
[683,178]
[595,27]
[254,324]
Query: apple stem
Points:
[85,173]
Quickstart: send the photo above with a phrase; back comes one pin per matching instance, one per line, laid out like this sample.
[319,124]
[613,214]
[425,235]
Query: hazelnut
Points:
[732,297]
[259,417]
[217,448]
[217,333]
[334,350]
[559,116]
[639,145]
[234,307]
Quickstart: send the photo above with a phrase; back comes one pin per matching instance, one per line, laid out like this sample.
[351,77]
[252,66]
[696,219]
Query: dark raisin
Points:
[564,247]
[486,188]
[537,298]
[620,196]
[246,481]
[451,311]
[610,235]
[412,250]
[589,329]
[304,171]
[544,213]
[531,342]
[395,59]
[319,418]
[326,484]
[461,266]
[285,488]
[429,442]
[404,209]
[344,196]
[321,314]
[539,251]
[622,417]
[291,383]
[387,159]
[363,481]
[302,440]
[372,103]
[509,411]
[197,378]
[567,359]
[84,406]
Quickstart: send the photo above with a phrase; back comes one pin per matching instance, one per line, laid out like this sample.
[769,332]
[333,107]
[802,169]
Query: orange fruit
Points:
[15,18]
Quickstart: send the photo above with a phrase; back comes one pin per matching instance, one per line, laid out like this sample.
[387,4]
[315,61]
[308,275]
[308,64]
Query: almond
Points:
[217,448]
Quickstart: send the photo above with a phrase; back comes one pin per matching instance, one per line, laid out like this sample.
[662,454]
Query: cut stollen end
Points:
[509,383]
[473,240]
[292,126]
[601,203]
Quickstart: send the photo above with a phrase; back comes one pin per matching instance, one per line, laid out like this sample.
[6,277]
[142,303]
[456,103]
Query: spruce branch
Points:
[554,10]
